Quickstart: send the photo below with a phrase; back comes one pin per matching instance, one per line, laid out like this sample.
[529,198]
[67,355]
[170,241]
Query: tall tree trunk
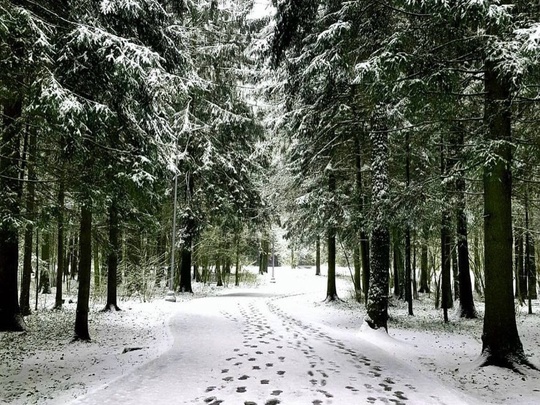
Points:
[377,304]
[185,264]
[501,343]
[10,314]
[364,239]
[60,269]
[45,282]
[399,265]
[112,258]
[73,256]
[357,272]
[466,300]
[318,256]
[446,240]
[408,281]
[265,246]
[455,269]
[530,259]
[424,268]
[408,278]
[331,292]
[29,231]
[521,277]
[366,269]
[237,261]
[97,264]
[414,280]
[85,267]
[187,246]
[219,276]
[446,249]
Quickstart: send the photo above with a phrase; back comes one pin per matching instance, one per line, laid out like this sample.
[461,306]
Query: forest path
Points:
[254,347]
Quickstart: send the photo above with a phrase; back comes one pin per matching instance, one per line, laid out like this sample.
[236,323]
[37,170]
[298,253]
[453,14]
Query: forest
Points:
[149,144]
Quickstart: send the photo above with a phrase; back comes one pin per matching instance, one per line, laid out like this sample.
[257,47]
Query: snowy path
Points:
[261,348]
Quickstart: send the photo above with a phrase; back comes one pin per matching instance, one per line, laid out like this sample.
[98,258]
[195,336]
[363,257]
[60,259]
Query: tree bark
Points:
[501,343]
[10,314]
[424,269]
[29,231]
[364,239]
[219,276]
[60,269]
[397,266]
[185,265]
[377,304]
[237,261]
[112,258]
[366,270]
[408,280]
[331,292]
[357,272]
[466,300]
[85,266]
[521,277]
[318,256]
[446,241]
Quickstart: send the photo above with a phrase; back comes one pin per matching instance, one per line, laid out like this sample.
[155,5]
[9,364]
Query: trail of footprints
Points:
[259,338]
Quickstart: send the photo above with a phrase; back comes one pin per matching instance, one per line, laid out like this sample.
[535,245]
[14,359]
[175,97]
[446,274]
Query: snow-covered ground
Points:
[265,344]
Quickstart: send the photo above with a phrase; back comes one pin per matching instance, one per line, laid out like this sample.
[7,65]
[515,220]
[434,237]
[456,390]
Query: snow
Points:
[267,343]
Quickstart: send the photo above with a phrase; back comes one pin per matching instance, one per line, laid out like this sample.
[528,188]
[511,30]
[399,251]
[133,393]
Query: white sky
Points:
[262,8]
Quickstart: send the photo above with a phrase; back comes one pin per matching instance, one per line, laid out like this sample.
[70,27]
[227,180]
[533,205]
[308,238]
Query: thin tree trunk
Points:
[45,282]
[408,281]
[398,262]
[237,261]
[357,272]
[364,254]
[85,266]
[331,292]
[187,246]
[446,247]
[112,258]
[318,256]
[414,280]
[60,269]
[479,285]
[466,300]
[424,269]
[29,231]
[219,276]
[446,242]
[364,240]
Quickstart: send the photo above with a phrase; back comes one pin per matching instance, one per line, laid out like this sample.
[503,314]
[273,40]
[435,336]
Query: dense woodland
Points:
[402,134]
